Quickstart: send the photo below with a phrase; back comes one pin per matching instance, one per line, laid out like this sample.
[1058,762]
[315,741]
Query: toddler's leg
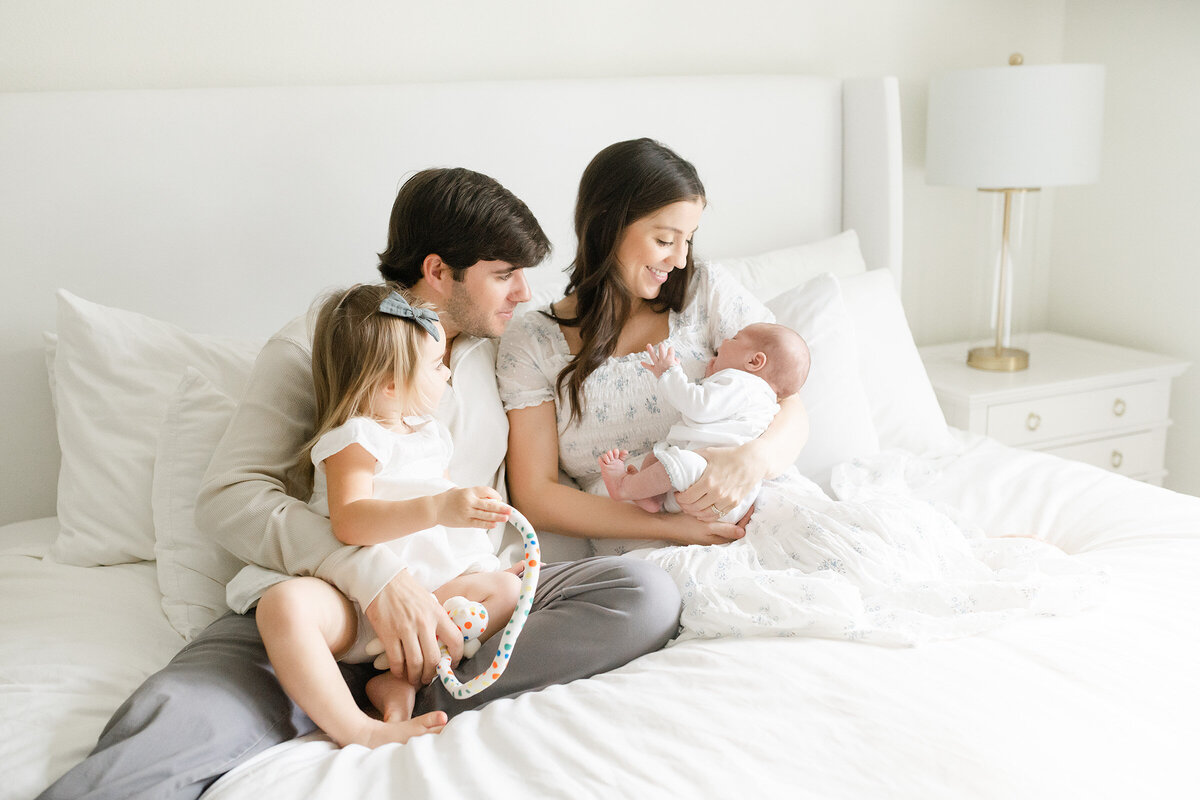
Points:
[645,488]
[498,591]
[304,622]
[392,696]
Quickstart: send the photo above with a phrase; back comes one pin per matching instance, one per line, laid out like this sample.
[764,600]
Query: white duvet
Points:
[1100,702]
[878,565]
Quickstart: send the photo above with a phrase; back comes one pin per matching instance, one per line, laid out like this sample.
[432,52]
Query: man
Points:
[461,241]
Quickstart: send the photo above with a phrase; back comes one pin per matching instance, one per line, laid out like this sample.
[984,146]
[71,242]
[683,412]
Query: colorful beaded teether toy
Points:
[508,637]
[471,619]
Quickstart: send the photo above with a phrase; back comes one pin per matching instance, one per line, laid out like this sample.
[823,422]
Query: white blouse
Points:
[622,406]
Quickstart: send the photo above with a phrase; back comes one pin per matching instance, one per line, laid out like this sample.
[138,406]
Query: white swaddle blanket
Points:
[878,565]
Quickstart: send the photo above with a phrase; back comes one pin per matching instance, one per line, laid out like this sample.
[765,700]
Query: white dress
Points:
[624,408]
[409,465]
[876,565]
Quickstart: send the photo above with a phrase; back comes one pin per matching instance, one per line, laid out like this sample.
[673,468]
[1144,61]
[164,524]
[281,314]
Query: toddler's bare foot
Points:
[391,696]
[378,733]
[614,470]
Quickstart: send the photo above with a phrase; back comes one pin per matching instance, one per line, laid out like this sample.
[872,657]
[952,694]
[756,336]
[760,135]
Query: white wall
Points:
[116,44]
[1130,233]
[1126,251]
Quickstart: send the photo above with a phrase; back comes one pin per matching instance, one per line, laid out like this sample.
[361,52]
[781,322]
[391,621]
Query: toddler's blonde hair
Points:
[356,349]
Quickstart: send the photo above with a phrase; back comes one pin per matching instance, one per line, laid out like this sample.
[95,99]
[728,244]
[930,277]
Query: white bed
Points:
[224,212]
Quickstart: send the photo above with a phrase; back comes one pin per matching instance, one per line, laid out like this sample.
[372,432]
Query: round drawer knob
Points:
[1116,459]
[1118,407]
[1033,421]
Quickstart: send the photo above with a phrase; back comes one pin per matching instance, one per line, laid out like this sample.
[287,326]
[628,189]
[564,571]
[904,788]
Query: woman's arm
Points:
[733,472]
[534,489]
[358,518]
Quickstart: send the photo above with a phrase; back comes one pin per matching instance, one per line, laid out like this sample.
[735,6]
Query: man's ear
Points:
[435,271]
[756,362]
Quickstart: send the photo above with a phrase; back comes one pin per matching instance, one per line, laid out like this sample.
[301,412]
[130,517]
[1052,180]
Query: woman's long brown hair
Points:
[625,182]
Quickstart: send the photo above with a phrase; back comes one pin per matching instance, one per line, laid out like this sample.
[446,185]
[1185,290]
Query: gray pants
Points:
[218,703]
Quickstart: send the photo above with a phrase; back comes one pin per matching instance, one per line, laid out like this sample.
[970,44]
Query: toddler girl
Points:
[380,460]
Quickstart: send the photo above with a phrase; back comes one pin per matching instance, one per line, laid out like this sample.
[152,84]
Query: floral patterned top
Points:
[622,408]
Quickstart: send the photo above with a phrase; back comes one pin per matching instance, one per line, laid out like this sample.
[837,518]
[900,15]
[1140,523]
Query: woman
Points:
[571,379]
[877,565]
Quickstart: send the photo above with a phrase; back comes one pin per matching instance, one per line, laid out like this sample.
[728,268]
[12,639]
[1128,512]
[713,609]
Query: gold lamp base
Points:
[998,359]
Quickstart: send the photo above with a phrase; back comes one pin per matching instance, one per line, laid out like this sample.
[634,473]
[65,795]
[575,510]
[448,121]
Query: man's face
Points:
[482,305]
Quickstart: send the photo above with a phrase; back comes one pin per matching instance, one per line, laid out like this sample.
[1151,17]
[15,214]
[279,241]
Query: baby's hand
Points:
[474,507]
[662,358]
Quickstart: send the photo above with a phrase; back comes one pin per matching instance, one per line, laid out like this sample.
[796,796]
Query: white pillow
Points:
[903,405]
[192,569]
[49,352]
[840,426]
[771,274]
[114,374]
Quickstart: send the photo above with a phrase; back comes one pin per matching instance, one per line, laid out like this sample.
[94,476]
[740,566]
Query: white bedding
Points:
[1101,703]
[879,565]
[77,641]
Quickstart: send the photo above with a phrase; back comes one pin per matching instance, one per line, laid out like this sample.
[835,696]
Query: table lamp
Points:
[1013,130]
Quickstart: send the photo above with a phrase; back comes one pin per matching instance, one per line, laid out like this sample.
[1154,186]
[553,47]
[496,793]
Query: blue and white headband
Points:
[395,305]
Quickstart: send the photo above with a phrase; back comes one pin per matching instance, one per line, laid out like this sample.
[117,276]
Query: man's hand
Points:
[662,358]
[473,507]
[409,621]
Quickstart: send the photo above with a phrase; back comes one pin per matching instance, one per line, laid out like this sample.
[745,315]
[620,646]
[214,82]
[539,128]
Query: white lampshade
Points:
[1016,126]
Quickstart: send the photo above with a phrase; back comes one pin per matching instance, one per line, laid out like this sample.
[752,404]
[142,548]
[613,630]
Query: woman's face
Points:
[656,244]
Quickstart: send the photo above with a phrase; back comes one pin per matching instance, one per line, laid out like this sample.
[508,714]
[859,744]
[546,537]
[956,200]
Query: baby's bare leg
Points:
[646,488]
[304,622]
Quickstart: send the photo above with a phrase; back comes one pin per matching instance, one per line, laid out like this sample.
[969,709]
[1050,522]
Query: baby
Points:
[733,403]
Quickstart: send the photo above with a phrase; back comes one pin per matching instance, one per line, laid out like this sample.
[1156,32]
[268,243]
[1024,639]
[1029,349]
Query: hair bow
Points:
[395,305]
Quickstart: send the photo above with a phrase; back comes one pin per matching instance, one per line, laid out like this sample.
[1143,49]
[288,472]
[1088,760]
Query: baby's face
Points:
[734,353]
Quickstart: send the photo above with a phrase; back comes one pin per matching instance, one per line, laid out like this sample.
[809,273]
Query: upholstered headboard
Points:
[225,211]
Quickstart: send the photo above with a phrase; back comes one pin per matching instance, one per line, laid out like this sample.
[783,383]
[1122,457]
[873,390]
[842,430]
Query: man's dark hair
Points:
[462,216]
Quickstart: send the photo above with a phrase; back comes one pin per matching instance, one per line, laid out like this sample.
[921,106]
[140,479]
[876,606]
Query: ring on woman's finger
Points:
[717,511]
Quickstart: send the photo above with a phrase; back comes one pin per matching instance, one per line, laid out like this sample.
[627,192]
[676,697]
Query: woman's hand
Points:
[473,507]
[731,475]
[682,529]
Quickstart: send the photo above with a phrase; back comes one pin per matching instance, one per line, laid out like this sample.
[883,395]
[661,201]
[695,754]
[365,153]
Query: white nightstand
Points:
[1079,399]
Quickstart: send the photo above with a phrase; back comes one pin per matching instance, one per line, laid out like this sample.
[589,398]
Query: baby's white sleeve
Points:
[710,400]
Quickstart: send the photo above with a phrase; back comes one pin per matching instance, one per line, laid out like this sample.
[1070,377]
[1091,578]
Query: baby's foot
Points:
[400,732]
[613,471]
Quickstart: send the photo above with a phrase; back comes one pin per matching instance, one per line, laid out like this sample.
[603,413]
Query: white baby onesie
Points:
[729,407]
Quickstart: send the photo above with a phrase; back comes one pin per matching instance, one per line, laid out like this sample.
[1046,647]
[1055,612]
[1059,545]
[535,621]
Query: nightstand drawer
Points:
[1031,422]
[1135,454]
